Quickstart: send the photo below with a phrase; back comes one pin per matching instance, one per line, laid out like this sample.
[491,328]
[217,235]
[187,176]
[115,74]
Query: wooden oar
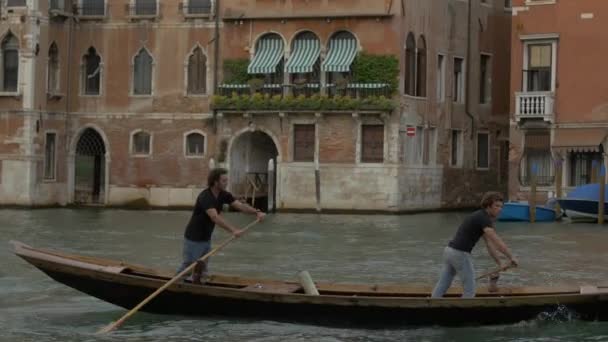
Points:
[116,324]
[487,274]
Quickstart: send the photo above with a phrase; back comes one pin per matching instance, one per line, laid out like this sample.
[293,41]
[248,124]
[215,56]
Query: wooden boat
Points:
[337,305]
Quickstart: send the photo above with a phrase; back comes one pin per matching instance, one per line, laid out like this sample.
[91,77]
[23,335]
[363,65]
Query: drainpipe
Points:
[68,92]
[468,70]
[216,57]
[217,46]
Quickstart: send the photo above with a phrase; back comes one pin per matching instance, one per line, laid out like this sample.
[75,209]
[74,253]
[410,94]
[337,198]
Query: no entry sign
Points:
[410,131]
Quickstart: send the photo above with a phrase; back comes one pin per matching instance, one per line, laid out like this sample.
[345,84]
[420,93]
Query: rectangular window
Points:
[414,146]
[372,143]
[15,3]
[59,5]
[145,7]
[141,143]
[431,143]
[195,144]
[485,79]
[483,150]
[537,155]
[440,78]
[538,72]
[458,86]
[11,69]
[198,6]
[304,143]
[581,167]
[49,156]
[93,8]
[456,148]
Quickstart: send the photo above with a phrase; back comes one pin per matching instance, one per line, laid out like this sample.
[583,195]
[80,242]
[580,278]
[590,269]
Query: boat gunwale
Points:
[354,299]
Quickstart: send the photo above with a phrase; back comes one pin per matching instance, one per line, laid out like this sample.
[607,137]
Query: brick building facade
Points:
[111,102]
[559,107]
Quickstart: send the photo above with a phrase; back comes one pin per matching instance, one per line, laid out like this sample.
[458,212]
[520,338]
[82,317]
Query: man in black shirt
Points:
[457,255]
[206,214]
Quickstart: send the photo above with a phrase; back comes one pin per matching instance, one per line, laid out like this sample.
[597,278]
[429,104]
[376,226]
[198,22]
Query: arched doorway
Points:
[90,168]
[249,156]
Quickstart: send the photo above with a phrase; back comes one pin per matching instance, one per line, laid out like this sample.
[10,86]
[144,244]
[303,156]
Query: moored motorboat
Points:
[520,211]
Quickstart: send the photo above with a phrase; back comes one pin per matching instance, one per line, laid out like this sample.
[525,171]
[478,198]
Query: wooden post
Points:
[532,199]
[270,185]
[600,206]
[558,186]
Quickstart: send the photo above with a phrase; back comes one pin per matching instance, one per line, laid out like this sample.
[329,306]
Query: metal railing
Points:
[352,90]
[541,180]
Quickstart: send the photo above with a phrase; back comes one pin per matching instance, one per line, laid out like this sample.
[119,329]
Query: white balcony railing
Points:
[534,105]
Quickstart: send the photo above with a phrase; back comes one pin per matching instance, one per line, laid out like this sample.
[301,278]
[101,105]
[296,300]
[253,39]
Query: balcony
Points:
[304,98]
[534,105]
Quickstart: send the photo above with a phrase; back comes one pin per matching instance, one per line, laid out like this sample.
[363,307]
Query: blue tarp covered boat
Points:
[582,202]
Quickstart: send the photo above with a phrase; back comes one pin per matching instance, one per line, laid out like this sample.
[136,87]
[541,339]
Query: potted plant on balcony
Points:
[255,85]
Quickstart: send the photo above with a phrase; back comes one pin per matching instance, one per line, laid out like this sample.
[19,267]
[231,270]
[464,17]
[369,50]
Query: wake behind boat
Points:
[126,285]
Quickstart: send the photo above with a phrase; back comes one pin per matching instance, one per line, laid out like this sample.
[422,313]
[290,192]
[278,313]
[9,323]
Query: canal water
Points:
[338,248]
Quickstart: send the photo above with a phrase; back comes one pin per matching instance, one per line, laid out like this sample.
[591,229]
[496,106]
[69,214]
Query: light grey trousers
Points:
[459,263]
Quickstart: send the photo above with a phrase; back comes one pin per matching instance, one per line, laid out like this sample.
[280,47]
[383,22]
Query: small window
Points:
[198,6]
[15,3]
[195,144]
[142,73]
[456,148]
[145,7]
[431,151]
[93,8]
[458,86]
[483,150]
[485,79]
[582,167]
[440,78]
[53,70]
[91,72]
[304,143]
[49,156]
[197,72]
[538,74]
[421,67]
[410,65]
[141,143]
[414,146]
[372,143]
[10,63]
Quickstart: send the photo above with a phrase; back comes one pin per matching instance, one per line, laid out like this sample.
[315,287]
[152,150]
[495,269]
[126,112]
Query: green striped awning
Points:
[268,54]
[342,53]
[304,56]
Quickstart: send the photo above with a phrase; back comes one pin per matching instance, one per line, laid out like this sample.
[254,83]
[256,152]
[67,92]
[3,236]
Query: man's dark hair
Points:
[489,198]
[214,176]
